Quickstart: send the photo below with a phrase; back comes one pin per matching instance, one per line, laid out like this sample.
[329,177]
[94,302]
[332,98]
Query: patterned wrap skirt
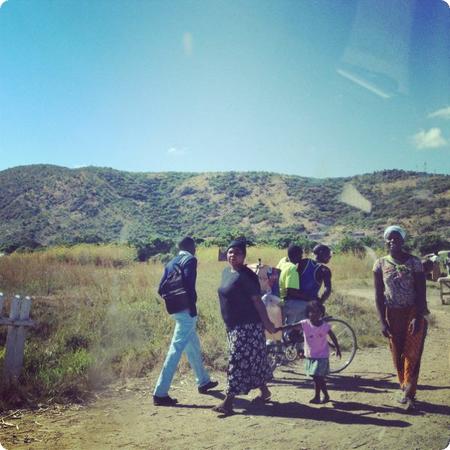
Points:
[248,367]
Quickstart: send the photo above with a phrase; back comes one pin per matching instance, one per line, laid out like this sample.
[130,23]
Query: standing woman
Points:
[245,319]
[400,293]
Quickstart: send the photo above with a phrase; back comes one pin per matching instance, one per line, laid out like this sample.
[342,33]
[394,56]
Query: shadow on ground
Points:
[371,382]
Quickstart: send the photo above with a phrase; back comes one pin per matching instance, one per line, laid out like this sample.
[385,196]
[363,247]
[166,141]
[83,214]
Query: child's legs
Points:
[317,386]
[324,387]
[320,384]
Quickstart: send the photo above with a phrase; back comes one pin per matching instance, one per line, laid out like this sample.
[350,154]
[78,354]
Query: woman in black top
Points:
[245,318]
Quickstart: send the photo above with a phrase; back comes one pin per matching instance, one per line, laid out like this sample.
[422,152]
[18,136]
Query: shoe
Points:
[206,387]
[164,401]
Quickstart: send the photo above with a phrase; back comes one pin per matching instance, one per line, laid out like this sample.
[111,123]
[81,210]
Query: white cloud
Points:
[2,2]
[175,151]
[188,43]
[429,139]
[443,113]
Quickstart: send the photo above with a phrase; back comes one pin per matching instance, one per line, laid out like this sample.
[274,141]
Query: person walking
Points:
[400,295]
[245,318]
[181,305]
[317,352]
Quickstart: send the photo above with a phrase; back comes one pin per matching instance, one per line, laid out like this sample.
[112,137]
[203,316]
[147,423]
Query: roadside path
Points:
[363,414]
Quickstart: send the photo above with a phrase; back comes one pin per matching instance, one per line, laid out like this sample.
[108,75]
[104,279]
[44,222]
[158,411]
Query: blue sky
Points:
[314,88]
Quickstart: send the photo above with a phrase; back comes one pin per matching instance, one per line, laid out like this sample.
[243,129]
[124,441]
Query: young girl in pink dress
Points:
[315,332]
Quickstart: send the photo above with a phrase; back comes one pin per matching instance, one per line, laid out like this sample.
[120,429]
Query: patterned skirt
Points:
[248,367]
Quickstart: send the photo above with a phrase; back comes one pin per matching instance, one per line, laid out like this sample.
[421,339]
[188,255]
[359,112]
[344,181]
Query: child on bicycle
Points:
[317,365]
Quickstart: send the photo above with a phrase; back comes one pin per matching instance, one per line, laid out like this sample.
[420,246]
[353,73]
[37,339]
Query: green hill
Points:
[46,205]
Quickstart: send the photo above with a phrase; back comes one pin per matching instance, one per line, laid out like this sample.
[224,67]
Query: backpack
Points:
[173,291]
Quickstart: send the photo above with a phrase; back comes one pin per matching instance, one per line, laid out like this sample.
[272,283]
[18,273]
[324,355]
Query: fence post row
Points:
[18,321]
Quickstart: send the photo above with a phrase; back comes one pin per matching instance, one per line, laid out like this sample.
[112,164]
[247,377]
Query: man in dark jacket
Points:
[185,336]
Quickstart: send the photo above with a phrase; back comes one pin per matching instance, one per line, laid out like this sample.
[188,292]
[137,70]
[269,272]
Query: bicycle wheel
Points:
[272,356]
[293,359]
[347,342]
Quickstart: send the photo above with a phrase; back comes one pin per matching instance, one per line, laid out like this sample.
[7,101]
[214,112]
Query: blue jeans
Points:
[294,310]
[185,339]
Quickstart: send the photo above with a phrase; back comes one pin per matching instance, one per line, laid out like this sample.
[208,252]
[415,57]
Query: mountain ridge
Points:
[44,204]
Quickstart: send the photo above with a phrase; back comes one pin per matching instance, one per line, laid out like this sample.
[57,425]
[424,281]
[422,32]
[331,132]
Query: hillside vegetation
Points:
[42,205]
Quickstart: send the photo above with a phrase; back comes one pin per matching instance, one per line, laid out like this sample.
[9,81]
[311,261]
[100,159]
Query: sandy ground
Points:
[362,415]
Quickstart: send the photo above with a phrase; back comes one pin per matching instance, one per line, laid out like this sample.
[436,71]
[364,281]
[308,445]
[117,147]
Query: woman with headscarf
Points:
[245,318]
[400,293]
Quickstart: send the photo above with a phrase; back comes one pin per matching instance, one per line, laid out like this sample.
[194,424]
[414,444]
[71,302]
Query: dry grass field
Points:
[100,319]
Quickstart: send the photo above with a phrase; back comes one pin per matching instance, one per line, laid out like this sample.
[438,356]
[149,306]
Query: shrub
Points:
[152,246]
[430,243]
[284,242]
[225,237]
[350,245]
[371,242]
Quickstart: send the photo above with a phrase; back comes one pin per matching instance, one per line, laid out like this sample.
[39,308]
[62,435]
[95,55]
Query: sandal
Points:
[261,399]
[402,398]
[221,409]
[410,405]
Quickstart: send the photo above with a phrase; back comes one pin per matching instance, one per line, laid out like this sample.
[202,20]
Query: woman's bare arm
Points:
[260,307]
[380,302]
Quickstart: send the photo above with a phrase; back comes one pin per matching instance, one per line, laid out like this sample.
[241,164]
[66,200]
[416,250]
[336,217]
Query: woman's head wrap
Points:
[396,228]
[238,243]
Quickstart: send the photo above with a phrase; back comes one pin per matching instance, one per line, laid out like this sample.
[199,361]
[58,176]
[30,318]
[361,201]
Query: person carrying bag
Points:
[173,287]
[177,288]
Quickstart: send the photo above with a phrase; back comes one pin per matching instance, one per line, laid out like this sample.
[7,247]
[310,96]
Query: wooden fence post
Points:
[19,319]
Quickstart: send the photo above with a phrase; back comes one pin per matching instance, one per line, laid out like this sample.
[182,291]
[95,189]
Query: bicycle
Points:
[289,351]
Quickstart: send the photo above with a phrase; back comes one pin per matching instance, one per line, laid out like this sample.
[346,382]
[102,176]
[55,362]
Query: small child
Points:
[317,365]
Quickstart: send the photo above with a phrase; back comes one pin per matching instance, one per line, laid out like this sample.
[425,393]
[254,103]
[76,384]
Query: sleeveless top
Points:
[308,280]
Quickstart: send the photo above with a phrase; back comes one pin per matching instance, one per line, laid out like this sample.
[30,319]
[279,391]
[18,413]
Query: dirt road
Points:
[363,414]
